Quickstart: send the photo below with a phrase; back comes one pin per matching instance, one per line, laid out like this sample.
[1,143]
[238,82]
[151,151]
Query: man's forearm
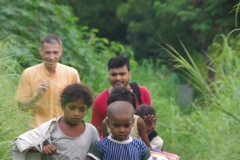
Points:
[99,129]
[28,104]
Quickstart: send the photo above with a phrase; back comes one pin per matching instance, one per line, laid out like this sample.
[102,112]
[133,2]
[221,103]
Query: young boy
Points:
[66,137]
[155,141]
[119,145]
[139,130]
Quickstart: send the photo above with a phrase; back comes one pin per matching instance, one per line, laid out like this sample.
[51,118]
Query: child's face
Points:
[151,127]
[74,111]
[120,126]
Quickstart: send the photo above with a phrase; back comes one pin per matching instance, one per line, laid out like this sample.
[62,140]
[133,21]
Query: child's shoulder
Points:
[89,126]
[138,142]
[102,143]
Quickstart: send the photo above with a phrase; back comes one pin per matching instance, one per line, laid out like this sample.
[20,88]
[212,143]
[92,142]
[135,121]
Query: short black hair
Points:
[117,62]
[145,110]
[75,92]
[121,93]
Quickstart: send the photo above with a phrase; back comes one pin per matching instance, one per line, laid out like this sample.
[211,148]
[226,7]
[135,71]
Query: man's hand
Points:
[49,149]
[43,87]
[29,104]
[150,122]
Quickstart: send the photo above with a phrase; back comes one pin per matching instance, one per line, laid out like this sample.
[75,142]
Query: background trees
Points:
[209,129]
[28,20]
[140,23]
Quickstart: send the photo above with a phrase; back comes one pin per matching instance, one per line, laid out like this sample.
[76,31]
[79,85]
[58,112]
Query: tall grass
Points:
[12,121]
[212,130]
[209,131]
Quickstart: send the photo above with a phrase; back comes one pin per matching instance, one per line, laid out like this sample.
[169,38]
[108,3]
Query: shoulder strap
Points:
[136,91]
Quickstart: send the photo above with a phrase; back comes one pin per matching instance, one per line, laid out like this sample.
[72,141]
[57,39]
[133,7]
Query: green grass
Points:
[211,131]
[12,121]
[208,130]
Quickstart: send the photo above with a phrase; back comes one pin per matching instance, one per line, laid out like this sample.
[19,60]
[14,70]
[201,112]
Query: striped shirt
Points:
[108,148]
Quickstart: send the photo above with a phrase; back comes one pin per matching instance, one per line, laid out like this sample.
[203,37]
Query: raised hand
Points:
[43,87]
[150,122]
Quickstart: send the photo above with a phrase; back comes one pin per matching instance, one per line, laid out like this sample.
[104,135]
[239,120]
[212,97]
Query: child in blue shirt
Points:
[119,145]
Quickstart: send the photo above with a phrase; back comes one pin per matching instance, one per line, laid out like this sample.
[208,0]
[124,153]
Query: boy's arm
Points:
[97,116]
[146,155]
[104,128]
[94,153]
[90,158]
[48,149]
[143,131]
[33,150]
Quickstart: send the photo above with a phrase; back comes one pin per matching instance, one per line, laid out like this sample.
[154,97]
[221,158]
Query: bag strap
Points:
[136,91]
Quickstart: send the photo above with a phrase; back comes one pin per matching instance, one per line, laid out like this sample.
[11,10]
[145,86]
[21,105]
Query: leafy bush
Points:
[27,21]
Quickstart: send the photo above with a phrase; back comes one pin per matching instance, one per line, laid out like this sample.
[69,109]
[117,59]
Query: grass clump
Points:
[211,131]
[12,121]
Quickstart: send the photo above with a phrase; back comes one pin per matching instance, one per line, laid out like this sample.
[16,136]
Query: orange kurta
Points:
[48,106]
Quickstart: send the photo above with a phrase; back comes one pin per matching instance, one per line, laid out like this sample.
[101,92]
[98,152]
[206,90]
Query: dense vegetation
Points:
[140,23]
[208,129]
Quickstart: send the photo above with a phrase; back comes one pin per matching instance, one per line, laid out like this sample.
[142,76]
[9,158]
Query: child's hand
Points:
[150,123]
[49,149]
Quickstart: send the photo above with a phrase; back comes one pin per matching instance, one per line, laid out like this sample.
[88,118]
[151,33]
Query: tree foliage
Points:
[195,22]
[101,15]
[141,23]
[29,20]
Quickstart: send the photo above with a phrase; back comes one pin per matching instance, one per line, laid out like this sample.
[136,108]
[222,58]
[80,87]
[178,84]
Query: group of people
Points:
[121,127]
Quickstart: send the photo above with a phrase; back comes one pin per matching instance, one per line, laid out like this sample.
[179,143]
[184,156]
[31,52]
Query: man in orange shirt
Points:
[40,86]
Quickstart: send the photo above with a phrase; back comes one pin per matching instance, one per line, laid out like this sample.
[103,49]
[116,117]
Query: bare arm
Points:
[28,104]
[104,128]
[48,149]
[150,121]
[143,132]
[99,129]
[90,158]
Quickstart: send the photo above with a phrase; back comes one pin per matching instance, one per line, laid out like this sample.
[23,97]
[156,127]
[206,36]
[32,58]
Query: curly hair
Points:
[144,110]
[120,93]
[75,92]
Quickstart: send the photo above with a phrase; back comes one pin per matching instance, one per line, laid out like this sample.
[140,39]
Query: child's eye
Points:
[71,107]
[127,125]
[115,125]
[82,110]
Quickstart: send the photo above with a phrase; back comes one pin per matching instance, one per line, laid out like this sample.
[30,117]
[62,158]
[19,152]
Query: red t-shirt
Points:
[99,109]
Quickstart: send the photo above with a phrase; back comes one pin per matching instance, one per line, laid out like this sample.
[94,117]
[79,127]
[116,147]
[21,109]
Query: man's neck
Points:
[51,70]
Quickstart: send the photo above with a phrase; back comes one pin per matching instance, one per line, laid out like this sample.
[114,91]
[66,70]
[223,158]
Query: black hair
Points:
[121,93]
[117,62]
[144,110]
[75,92]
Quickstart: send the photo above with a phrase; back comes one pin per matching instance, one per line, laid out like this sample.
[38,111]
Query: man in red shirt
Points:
[119,75]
